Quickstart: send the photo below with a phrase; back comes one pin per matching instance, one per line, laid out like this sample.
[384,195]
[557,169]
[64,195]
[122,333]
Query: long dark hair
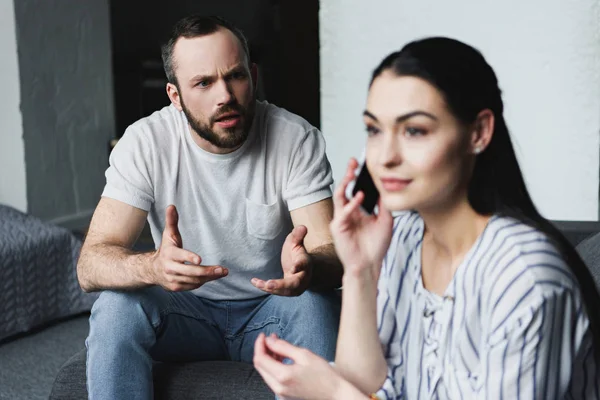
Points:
[469,85]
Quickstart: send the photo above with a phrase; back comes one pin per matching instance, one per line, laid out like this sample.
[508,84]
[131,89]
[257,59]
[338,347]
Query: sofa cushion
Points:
[198,380]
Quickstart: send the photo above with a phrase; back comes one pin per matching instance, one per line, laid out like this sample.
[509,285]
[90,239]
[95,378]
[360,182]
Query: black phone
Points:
[365,184]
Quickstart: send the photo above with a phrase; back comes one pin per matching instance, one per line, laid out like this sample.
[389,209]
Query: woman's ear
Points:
[482,132]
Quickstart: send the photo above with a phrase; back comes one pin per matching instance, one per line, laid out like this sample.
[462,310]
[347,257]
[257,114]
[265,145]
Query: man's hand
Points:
[296,265]
[176,269]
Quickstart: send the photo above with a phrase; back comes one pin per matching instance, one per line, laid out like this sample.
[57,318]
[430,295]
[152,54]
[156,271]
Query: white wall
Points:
[13,186]
[546,54]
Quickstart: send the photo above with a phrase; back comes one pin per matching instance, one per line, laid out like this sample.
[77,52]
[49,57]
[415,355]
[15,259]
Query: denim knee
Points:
[123,313]
[319,307]
[313,311]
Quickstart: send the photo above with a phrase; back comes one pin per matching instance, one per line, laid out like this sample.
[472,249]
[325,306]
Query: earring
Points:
[477,150]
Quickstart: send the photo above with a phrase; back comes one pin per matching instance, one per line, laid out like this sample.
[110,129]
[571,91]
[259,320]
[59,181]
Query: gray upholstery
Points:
[198,380]
[589,250]
[38,282]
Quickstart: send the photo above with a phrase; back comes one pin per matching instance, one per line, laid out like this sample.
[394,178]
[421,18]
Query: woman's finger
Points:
[260,356]
[263,358]
[352,205]
[284,349]
[339,196]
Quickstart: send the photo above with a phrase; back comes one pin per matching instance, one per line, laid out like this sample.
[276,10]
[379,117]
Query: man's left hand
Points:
[297,268]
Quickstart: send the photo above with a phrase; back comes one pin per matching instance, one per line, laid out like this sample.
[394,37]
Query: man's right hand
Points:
[176,269]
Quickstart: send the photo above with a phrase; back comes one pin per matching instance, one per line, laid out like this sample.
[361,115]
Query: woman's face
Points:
[418,153]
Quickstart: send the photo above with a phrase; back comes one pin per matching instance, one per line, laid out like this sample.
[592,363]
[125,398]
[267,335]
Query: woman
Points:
[470,292]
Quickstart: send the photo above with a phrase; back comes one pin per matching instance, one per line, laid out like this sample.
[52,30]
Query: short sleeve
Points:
[128,177]
[310,178]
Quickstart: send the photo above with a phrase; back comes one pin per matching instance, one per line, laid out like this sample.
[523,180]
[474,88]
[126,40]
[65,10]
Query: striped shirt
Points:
[510,325]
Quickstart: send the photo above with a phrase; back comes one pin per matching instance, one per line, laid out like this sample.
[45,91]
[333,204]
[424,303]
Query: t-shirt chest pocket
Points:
[264,221]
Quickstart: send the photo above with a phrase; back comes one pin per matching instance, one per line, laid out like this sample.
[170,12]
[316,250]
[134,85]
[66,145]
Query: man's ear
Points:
[174,96]
[254,76]
[482,131]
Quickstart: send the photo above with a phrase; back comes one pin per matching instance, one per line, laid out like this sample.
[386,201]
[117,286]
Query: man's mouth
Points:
[228,120]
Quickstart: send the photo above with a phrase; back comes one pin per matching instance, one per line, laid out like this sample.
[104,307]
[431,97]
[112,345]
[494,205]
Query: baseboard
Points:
[78,221]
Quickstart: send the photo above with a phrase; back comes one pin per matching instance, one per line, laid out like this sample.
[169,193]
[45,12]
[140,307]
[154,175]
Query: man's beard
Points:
[234,137]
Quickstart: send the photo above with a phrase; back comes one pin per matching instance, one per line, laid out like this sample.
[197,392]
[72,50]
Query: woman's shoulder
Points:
[519,247]
[523,267]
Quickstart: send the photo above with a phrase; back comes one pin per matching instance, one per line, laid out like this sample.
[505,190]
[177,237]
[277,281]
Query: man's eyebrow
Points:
[200,77]
[404,117]
[237,68]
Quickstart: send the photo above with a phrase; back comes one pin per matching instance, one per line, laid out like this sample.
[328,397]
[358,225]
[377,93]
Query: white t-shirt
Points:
[233,208]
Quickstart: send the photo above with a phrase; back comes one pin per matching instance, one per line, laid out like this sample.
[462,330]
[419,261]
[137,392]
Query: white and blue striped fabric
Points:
[511,324]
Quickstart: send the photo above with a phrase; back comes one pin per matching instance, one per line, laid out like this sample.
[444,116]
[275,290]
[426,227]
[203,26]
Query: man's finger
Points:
[197,271]
[297,235]
[300,262]
[280,287]
[182,255]
[171,231]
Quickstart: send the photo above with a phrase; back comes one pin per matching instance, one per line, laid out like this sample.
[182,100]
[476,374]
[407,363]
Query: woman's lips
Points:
[394,184]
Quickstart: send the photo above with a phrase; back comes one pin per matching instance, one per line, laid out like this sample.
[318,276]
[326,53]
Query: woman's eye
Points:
[371,130]
[411,131]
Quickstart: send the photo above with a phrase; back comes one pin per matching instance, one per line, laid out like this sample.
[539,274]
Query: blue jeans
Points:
[129,330]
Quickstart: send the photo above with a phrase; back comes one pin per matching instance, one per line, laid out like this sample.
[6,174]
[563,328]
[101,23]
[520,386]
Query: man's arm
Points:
[106,260]
[327,270]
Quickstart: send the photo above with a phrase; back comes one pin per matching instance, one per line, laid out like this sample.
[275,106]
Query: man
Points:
[237,194]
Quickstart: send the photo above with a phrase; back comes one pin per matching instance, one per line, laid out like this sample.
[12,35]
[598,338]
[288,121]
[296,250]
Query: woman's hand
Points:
[309,377]
[361,240]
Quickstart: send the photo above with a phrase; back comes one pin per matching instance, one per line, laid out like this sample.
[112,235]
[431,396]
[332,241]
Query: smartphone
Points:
[365,184]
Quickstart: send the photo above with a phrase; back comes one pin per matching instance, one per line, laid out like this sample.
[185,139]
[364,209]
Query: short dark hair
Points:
[195,26]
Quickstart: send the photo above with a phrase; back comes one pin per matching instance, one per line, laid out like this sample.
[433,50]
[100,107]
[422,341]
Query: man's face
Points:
[215,87]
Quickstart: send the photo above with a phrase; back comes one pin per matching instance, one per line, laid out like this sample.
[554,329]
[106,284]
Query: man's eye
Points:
[202,84]
[238,75]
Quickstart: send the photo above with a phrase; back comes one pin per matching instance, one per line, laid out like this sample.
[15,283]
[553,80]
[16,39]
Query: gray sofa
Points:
[198,380]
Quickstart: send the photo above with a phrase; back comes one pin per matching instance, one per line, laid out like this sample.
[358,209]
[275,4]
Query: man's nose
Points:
[225,93]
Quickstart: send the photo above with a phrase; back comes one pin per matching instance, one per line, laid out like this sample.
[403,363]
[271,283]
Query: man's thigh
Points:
[187,331]
[310,321]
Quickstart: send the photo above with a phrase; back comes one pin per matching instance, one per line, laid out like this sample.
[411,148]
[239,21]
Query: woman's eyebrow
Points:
[403,117]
